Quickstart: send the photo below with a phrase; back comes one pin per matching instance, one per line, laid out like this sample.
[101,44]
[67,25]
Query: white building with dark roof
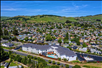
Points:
[61,52]
[7,44]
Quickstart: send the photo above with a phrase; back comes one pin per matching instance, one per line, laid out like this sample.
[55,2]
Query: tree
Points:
[54,31]
[29,61]
[9,40]
[5,37]
[68,21]
[59,59]
[67,36]
[1,33]
[84,45]
[54,66]
[60,41]
[69,47]
[49,61]
[65,59]
[76,40]
[40,60]
[61,65]
[48,38]
[26,39]
[53,38]
[15,31]
[76,66]
[14,39]
[32,65]
[67,66]
[53,62]
[3,54]
[40,65]
[24,60]
[6,32]
[58,63]
[10,52]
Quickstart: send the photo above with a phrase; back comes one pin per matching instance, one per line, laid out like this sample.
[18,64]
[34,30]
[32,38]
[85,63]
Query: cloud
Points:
[73,8]
[9,9]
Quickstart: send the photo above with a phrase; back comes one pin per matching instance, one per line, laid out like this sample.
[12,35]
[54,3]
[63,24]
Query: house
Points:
[74,47]
[83,49]
[7,44]
[94,45]
[61,52]
[95,51]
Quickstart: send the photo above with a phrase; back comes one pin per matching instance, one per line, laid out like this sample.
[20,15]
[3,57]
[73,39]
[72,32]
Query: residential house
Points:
[83,49]
[7,44]
[95,51]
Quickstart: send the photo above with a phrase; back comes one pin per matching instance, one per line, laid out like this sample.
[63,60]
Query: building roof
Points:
[8,44]
[64,51]
[38,47]
[61,50]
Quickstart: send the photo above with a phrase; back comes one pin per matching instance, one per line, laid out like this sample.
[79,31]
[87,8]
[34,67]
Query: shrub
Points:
[59,59]
[53,62]
[49,61]
[90,66]
[58,63]
[54,66]
[76,66]
[35,57]
[61,65]
[67,66]
[65,59]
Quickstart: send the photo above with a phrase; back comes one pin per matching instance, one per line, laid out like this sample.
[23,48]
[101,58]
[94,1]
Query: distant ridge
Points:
[50,18]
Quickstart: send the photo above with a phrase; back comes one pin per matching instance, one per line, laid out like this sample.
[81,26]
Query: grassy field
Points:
[1,66]
[87,66]
[50,18]
[90,65]
[13,64]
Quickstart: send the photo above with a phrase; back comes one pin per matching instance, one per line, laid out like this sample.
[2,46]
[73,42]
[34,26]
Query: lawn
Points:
[13,64]
[90,66]
[1,66]
[76,61]
[6,47]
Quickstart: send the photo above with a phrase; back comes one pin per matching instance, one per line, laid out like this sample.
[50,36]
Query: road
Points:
[46,59]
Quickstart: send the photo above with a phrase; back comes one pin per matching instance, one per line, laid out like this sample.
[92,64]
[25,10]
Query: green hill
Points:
[50,18]
[93,18]
[4,17]
[39,19]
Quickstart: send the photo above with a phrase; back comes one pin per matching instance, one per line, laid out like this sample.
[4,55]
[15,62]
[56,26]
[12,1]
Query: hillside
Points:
[4,17]
[51,18]
[91,18]
[39,19]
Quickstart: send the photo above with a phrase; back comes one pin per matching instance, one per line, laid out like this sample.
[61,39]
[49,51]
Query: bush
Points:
[76,66]
[61,65]
[54,66]
[65,59]
[53,62]
[58,63]
[35,57]
[67,66]
[49,61]
[59,59]
[90,66]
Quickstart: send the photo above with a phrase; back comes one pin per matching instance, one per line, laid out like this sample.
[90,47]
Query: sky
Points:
[60,8]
